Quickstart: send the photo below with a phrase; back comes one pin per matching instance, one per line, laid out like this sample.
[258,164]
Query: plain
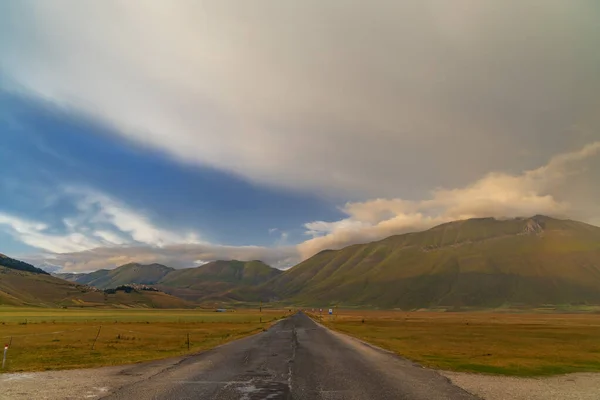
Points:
[517,344]
[48,339]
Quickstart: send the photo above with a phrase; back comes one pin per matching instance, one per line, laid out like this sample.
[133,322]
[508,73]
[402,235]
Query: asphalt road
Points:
[295,359]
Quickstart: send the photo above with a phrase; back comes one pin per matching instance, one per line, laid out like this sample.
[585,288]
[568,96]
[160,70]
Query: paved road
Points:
[295,359]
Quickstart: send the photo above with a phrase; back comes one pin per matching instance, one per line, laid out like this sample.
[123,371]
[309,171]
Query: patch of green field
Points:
[505,344]
[43,339]
[85,315]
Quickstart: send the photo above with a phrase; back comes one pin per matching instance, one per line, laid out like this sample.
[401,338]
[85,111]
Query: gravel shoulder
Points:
[578,386]
[92,383]
[98,382]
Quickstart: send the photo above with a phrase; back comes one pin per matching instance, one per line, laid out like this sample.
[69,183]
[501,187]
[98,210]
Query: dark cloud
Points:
[415,111]
[354,99]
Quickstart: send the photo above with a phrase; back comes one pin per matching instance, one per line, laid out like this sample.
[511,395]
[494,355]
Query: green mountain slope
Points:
[22,288]
[237,272]
[477,262]
[212,281]
[126,274]
[11,263]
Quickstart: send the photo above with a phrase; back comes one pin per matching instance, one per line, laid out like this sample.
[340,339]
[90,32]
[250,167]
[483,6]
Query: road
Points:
[295,359]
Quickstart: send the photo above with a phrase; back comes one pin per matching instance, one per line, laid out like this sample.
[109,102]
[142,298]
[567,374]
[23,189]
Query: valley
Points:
[511,344]
[54,339]
[516,297]
[475,264]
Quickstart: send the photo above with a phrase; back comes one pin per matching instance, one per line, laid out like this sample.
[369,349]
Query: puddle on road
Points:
[260,390]
[96,392]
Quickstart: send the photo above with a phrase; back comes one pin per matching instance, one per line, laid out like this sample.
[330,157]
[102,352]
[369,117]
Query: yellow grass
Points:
[42,339]
[508,344]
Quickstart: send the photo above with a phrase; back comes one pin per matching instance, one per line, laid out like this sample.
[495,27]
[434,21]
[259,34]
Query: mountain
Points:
[132,273]
[477,263]
[11,263]
[20,285]
[213,280]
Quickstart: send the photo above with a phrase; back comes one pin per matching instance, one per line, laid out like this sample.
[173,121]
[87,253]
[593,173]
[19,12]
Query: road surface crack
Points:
[291,360]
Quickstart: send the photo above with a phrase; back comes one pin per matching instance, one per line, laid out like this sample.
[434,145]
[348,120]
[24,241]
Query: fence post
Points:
[98,334]
[4,358]
[188,341]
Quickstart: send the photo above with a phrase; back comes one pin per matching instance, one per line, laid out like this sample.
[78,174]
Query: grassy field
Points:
[495,343]
[48,339]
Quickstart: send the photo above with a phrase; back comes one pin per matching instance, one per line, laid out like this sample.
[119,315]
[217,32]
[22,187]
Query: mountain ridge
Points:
[212,280]
[479,262]
[475,262]
[8,262]
[31,289]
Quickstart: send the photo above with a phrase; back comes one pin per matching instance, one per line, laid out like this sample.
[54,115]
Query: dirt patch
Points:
[77,384]
[578,386]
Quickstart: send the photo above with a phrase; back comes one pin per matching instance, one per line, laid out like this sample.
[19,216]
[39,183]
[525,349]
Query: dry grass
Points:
[507,344]
[59,339]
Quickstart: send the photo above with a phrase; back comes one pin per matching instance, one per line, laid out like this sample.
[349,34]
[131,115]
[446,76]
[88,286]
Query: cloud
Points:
[501,195]
[348,99]
[495,195]
[176,256]
[106,233]
[35,234]
[384,101]
[100,221]
[101,209]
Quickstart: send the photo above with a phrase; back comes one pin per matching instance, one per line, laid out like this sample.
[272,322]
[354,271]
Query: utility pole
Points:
[98,334]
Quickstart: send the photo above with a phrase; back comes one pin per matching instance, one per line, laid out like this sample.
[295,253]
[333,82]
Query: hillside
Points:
[11,263]
[477,262]
[126,274]
[216,279]
[213,280]
[20,287]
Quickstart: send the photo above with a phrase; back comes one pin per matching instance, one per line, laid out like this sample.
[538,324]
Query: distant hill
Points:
[20,287]
[216,279]
[213,280]
[476,263]
[11,263]
[132,273]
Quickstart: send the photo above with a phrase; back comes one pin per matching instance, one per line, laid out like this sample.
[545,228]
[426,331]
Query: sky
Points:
[187,131]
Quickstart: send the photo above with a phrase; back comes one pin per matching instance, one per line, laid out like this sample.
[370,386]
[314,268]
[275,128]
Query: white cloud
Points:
[384,99]
[106,233]
[110,238]
[536,191]
[495,195]
[177,256]
[35,234]
[101,221]
[101,209]
[379,101]
[282,240]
